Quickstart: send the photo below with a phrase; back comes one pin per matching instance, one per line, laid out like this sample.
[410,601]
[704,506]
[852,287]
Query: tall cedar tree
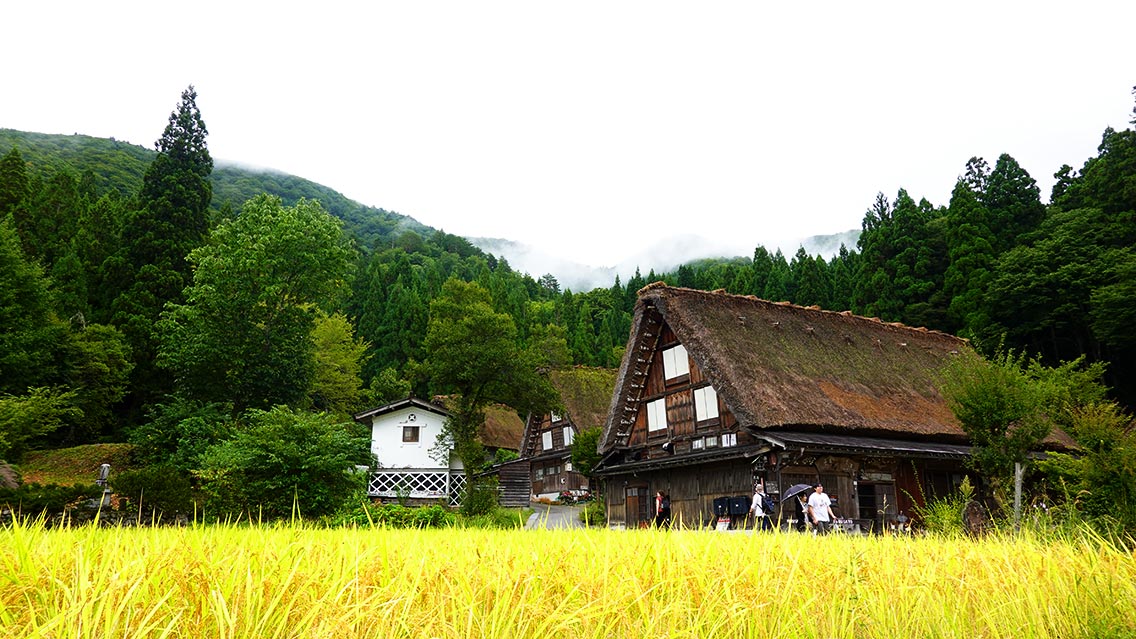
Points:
[171,220]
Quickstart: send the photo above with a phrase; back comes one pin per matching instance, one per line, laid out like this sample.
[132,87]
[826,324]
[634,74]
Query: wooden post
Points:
[1018,472]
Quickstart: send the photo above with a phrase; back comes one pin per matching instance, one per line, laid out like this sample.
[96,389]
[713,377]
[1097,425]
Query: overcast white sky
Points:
[592,129]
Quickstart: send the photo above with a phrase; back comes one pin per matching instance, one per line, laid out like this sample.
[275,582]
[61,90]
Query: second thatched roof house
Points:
[718,391]
[547,443]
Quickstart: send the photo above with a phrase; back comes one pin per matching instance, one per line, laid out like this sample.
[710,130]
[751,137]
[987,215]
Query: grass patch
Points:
[77,465]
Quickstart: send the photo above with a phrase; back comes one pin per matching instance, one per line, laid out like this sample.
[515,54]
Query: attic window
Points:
[705,403]
[657,415]
[555,417]
[568,432]
[675,362]
[546,440]
[410,434]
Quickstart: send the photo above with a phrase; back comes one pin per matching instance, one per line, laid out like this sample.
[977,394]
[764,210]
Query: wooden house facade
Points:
[718,391]
[547,442]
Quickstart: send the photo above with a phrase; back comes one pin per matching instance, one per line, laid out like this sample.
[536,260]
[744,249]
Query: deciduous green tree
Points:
[244,334]
[472,354]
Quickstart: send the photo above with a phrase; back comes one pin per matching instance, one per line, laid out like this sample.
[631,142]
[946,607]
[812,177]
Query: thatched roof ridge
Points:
[586,393]
[776,364]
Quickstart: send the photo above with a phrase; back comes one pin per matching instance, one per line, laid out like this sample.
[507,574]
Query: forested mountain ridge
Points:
[119,166]
[217,318]
[85,242]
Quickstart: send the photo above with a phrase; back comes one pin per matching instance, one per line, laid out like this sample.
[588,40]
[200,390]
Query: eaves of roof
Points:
[872,446]
[399,405]
[688,459]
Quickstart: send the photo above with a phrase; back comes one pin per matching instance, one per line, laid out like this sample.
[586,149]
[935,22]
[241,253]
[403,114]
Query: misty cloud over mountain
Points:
[661,257]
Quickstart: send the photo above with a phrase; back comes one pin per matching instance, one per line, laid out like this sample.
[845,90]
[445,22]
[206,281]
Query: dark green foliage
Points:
[1007,405]
[171,220]
[394,516]
[29,332]
[180,431]
[283,463]
[28,417]
[1013,201]
[473,354]
[1101,478]
[244,334]
[33,500]
[98,369]
[480,496]
[1001,409]
[13,181]
[585,450]
[594,513]
[901,264]
[151,492]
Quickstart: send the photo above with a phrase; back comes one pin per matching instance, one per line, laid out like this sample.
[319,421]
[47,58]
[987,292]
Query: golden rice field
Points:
[274,582]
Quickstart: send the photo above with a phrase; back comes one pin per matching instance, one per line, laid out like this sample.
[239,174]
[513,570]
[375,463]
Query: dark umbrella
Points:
[796,489]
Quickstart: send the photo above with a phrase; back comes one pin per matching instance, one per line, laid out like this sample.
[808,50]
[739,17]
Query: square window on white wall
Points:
[705,403]
[567,435]
[675,362]
[657,415]
[546,440]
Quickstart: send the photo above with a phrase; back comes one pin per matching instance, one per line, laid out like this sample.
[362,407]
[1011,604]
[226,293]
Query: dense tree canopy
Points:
[244,334]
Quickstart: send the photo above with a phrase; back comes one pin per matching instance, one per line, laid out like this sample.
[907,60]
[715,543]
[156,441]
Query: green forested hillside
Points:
[135,304]
[119,166]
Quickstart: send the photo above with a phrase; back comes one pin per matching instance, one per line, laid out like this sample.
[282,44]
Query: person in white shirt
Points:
[757,507]
[820,510]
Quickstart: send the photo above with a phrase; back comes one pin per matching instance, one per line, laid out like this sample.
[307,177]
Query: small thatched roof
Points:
[777,365]
[503,428]
[586,393]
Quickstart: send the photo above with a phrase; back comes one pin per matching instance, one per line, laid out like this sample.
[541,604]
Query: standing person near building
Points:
[820,510]
[759,507]
[801,512]
[662,510]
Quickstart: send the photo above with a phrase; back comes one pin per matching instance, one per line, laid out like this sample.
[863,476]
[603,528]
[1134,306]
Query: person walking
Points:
[662,510]
[760,507]
[820,510]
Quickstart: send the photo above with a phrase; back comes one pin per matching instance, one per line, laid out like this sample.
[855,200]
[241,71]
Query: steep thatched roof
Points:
[503,428]
[778,365]
[586,393]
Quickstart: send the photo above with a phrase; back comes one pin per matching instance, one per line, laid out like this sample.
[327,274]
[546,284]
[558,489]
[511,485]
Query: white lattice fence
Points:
[417,484]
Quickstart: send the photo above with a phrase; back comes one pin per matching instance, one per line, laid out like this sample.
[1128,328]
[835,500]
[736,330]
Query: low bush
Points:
[593,513]
[393,516]
[33,500]
[159,490]
[480,497]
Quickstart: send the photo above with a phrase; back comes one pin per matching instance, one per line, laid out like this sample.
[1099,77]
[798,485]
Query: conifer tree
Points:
[171,220]
[13,181]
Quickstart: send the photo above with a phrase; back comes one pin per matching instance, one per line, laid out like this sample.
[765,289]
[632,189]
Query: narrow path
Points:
[553,516]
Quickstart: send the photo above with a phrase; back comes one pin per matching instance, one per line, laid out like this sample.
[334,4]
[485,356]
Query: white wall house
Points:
[402,436]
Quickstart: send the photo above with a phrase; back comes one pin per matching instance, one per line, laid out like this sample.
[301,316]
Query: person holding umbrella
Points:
[801,511]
